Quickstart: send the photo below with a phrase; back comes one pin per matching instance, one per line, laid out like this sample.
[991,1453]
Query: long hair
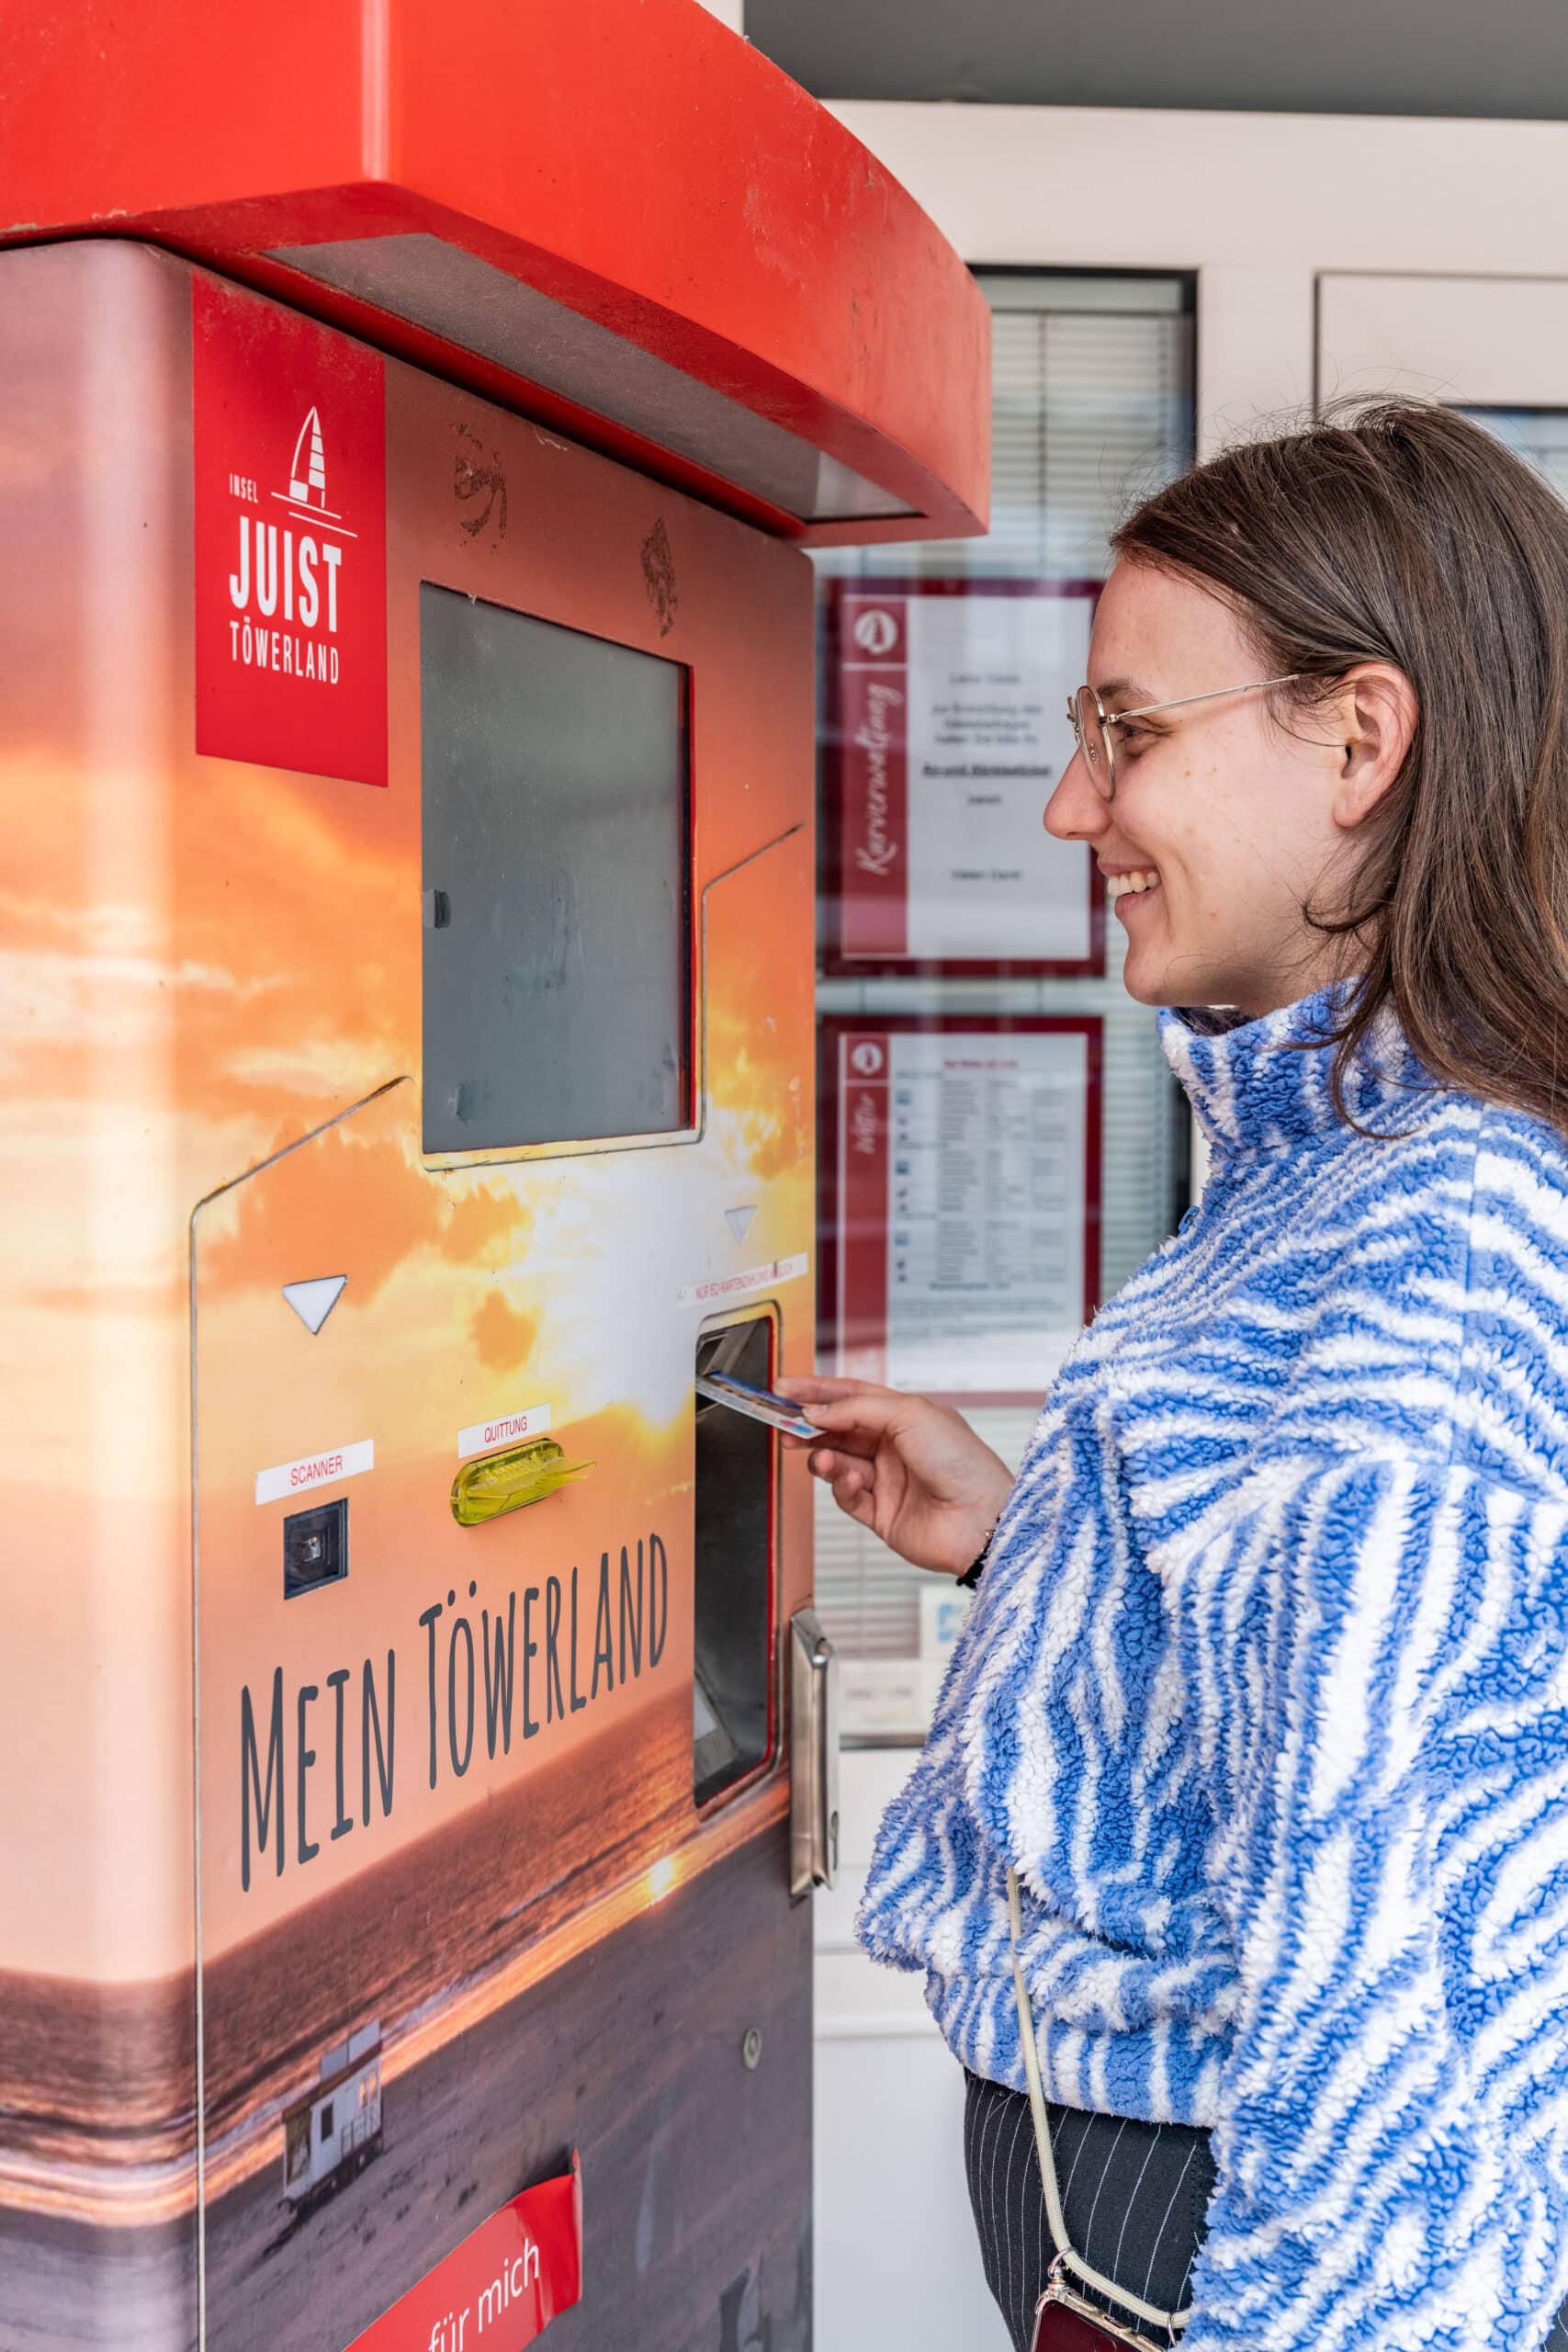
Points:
[1405,534]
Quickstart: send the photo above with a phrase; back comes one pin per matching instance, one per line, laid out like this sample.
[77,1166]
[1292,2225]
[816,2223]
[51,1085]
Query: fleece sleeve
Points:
[1382,1654]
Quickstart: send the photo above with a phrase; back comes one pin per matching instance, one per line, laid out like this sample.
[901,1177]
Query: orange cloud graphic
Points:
[361,1200]
[503,1336]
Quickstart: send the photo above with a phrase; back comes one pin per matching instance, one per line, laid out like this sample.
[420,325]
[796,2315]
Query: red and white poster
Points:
[949,735]
[291,539]
[961,1217]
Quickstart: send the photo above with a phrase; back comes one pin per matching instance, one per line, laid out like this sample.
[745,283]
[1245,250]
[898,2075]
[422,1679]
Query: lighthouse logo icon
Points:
[307,474]
[306,495]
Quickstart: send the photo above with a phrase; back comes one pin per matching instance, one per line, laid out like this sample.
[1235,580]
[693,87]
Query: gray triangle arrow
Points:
[739,1221]
[314,1301]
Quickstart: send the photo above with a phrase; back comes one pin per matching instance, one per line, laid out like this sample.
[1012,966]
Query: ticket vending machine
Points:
[411,1714]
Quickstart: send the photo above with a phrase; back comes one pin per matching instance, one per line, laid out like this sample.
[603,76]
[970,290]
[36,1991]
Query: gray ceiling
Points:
[1415,57]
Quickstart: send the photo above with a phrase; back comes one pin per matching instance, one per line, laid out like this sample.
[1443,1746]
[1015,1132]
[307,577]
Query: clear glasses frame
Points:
[1091,723]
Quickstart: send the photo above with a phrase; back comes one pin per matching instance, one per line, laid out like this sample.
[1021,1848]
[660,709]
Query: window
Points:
[1539,435]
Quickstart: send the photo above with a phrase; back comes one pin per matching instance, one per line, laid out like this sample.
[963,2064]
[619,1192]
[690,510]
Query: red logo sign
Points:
[291,541]
[501,2287]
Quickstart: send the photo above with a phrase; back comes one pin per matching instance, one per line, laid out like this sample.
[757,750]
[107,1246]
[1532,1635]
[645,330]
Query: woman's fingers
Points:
[813,1387]
[829,1466]
[847,1441]
[868,1413]
[852,1482]
[853,1497]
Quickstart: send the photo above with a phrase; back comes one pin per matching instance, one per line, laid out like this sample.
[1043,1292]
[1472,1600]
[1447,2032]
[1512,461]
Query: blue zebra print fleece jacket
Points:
[1265,1693]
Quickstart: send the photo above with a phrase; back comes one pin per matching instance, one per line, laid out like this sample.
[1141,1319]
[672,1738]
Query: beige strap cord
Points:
[1168,2320]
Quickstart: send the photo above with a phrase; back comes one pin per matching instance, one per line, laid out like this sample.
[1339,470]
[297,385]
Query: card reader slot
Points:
[734,1538]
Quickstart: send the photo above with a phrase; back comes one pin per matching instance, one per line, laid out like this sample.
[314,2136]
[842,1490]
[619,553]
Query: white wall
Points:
[730,12]
[1109,188]
[897,2263]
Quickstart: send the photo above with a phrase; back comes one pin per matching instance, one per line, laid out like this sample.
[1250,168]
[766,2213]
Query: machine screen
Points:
[557,878]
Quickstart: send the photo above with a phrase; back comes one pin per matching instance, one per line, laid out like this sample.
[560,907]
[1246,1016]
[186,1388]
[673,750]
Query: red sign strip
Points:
[864,1122]
[875,851]
[501,2287]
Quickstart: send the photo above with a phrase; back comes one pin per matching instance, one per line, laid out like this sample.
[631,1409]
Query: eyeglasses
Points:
[1091,723]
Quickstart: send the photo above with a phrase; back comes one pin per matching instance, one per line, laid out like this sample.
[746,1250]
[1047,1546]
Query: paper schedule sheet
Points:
[966,1168]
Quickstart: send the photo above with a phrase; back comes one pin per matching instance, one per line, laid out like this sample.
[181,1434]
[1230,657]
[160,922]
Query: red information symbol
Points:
[875,631]
[866,1059]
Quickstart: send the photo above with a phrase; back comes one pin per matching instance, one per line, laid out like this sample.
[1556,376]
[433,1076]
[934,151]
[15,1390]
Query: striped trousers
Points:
[1136,2197]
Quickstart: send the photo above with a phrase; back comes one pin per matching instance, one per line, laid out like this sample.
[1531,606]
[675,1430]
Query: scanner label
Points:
[323,1469]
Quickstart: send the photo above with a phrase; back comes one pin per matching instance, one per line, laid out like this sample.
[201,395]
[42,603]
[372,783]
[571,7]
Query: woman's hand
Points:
[911,1470]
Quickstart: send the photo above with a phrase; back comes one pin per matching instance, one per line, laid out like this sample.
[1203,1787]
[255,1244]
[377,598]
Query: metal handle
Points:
[814,1761]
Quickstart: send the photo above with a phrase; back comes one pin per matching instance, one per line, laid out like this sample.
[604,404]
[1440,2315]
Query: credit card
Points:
[759,1404]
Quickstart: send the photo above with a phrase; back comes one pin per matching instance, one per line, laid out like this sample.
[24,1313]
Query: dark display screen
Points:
[557,878]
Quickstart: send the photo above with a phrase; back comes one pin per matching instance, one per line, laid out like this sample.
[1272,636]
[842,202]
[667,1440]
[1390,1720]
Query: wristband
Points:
[977,1567]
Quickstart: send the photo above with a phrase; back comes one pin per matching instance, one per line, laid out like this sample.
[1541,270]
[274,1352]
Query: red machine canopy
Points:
[613,215]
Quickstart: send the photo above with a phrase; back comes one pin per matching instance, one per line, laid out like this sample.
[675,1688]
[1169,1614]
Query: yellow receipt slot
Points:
[504,1482]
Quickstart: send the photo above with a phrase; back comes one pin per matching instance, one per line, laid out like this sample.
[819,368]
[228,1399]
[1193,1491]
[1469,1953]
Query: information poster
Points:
[962,1227]
[948,735]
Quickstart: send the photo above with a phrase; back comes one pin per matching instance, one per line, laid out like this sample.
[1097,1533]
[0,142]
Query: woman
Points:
[1265,1693]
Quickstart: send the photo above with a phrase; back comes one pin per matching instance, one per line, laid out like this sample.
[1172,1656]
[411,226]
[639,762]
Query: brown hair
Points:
[1405,534]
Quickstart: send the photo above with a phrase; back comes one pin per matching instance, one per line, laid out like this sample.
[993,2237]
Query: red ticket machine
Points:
[410,1707]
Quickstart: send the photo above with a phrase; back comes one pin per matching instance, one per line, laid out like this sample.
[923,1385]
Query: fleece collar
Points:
[1264,1085]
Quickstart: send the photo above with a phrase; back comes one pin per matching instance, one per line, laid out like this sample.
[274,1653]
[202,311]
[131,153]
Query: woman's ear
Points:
[1375,717]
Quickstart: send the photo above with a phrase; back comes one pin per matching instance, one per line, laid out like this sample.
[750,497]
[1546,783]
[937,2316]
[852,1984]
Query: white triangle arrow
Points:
[314,1302]
[739,1221]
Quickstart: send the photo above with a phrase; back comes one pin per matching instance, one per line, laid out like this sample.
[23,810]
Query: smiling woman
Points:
[1217,827]
[1239,1847]
[1404,577]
